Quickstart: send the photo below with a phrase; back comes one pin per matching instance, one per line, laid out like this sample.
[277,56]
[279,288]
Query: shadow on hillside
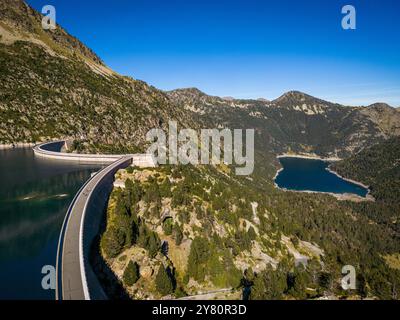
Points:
[110,283]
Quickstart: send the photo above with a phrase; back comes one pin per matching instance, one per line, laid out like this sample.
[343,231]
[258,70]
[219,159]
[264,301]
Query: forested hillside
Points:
[210,230]
[378,167]
[173,231]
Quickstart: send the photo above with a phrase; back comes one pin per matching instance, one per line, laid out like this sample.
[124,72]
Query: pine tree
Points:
[178,235]
[198,257]
[131,273]
[112,242]
[164,282]
[298,281]
[252,234]
[168,226]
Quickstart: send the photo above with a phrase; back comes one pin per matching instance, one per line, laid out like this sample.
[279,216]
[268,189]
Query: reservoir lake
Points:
[301,174]
[34,197]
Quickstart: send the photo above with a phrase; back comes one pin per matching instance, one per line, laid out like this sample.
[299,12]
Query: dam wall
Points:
[52,150]
[92,220]
[80,232]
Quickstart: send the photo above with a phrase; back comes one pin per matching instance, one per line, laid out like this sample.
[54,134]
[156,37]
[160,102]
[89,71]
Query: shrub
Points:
[168,226]
[128,228]
[198,257]
[269,285]
[252,234]
[178,235]
[181,195]
[164,282]
[165,188]
[148,240]
[131,273]
[112,242]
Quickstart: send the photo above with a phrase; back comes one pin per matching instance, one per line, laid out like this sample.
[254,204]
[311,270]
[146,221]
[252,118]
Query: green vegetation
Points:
[207,258]
[226,205]
[112,242]
[211,207]
[100,113]
[268,285]
[164,281]
[131,273]
[125,228]
[149,240]
[379,167]
[178,235]
[168,226]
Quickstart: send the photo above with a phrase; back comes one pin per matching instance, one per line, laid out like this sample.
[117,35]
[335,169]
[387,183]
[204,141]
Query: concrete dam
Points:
[75,277]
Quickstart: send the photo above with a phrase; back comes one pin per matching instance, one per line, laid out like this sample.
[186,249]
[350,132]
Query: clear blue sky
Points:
[246,48]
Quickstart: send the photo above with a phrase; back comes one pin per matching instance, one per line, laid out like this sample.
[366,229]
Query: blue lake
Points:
[34,196]
[300,174]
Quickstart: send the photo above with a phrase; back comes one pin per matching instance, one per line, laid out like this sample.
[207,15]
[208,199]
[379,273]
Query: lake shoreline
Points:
[348,179]
[338,196]
[368,196]
[309,156]
[17,145]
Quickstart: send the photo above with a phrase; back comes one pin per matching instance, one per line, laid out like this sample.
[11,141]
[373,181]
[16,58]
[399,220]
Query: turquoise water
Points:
[34,196]
[311,175]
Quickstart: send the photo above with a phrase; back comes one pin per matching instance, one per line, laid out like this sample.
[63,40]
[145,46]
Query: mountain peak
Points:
[380,106]
[193,92]
[293,97]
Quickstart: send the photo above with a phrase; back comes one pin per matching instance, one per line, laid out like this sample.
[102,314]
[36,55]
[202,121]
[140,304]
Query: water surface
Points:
[300,174]
[34,196]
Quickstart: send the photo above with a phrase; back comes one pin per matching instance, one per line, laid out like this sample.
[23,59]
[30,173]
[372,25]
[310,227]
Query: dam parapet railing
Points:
[52,150]
[92,218]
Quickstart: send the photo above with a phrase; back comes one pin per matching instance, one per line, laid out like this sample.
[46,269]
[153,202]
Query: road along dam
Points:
[75,278]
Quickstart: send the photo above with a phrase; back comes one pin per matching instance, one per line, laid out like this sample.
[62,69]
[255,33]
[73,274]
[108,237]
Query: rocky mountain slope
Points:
[53,86]
[20,22]
[296,122]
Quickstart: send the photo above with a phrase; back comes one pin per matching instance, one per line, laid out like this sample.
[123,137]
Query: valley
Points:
[177,230]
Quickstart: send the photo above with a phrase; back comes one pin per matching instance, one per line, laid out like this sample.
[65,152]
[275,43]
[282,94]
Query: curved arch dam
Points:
[75,277]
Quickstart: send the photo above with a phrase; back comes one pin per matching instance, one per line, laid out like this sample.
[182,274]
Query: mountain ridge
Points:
[293,95]
[54,87]
[223,230]
[90,101]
